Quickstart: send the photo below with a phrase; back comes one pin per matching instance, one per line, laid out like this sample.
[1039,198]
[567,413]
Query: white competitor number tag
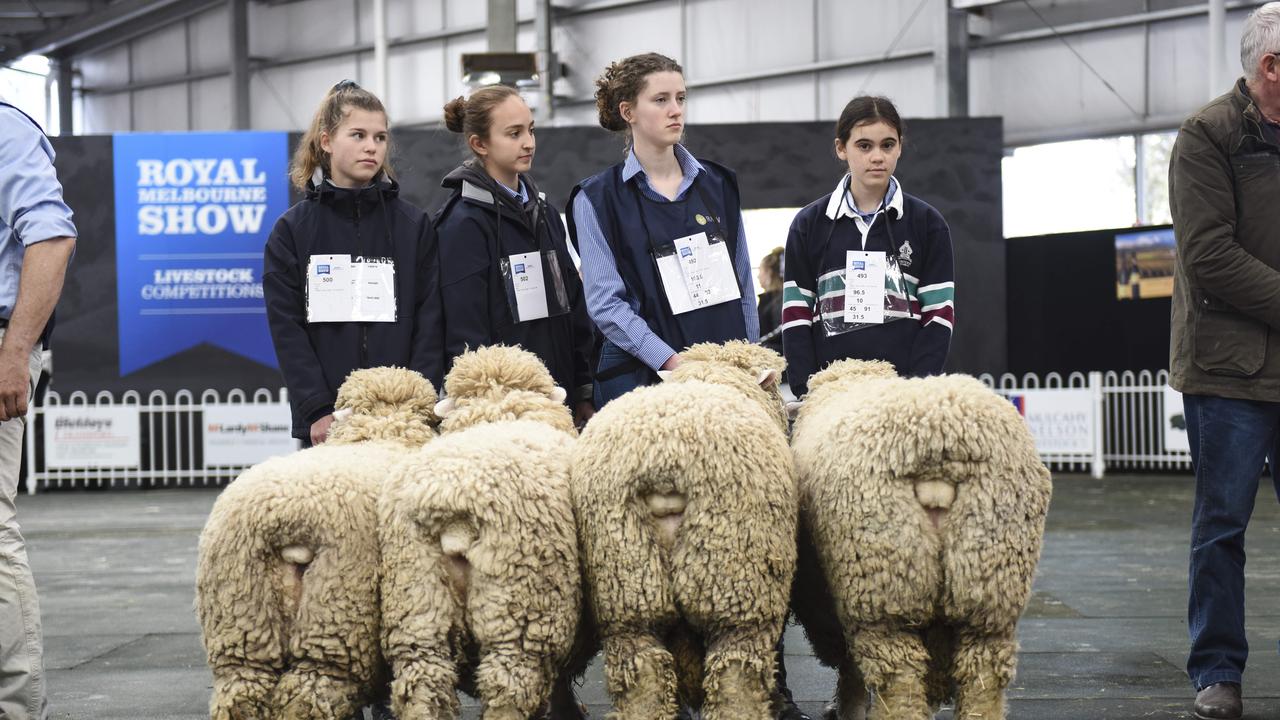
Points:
[698,275]
[340,289]
[864,274]
[528,284]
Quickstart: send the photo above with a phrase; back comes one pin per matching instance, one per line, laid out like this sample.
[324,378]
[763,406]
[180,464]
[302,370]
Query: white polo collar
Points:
[838,208]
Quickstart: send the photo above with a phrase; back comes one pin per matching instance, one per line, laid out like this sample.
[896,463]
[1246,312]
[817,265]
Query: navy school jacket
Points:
[816,247]
[316,358]
[480,225]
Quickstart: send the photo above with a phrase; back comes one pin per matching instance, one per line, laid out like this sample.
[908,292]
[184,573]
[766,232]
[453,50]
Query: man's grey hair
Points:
[1261,36]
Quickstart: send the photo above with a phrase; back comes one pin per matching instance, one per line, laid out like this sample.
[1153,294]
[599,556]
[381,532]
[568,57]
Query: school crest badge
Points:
[904,254]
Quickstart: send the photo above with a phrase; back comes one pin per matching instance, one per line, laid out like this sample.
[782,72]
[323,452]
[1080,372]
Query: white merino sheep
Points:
[481,582]
[287,580]
[923,504]
[686,506]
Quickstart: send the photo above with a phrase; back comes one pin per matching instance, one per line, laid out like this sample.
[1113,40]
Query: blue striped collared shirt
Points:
[31,206]
[614,312]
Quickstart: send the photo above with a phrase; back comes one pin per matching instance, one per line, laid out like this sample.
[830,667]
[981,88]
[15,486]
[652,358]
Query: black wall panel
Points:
[953,164]
[1063,311]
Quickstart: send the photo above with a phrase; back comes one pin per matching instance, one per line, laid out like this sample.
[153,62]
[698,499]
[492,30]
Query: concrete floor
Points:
[1105,635]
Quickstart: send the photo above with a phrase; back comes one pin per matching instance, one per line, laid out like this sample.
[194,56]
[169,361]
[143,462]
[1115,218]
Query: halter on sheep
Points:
[922,506]
[685,501]
[481,583]
[286,585]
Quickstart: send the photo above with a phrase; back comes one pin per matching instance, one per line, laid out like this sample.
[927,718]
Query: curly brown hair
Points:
[622,82]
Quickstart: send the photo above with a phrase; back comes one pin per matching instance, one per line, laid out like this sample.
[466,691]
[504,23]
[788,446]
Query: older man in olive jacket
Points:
[1224,189]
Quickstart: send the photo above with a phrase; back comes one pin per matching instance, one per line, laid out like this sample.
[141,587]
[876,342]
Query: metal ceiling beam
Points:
[42,8]
[13,26]
[151,23]
[89,25]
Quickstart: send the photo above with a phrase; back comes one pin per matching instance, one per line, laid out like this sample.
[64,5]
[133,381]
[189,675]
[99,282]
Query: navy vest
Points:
[634,224]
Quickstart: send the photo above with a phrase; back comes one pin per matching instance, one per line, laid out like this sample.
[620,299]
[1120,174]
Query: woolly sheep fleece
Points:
[287,578]
[922,513]
[690,616]
[481,583]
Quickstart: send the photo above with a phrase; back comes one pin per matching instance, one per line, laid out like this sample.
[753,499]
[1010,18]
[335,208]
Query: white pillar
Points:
[1217,47]
[380,51]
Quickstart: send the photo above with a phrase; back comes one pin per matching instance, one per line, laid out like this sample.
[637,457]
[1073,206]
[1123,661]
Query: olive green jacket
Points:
[1224,192]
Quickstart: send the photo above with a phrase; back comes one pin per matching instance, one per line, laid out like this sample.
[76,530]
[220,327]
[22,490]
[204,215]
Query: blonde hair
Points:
[773,263]
[335,107]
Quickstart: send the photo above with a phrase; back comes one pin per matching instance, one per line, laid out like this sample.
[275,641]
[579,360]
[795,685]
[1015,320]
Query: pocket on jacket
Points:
[1227,342]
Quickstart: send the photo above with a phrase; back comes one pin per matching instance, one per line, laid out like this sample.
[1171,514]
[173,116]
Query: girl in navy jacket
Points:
[494,226]
[624,219]
[352,211]
[868,212]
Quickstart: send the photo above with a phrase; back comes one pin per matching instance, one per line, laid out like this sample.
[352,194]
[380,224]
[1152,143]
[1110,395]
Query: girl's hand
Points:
[320,429]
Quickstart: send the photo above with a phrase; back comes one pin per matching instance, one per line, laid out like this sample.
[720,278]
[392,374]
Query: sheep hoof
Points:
[298,555]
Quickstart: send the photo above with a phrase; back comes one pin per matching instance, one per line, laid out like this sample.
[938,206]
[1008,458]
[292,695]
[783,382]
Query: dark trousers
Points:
[618,373]
[1230,439]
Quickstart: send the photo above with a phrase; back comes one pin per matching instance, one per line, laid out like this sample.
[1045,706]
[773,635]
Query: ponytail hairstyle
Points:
[335,107]
[474,115]
[866,109]
[623,81]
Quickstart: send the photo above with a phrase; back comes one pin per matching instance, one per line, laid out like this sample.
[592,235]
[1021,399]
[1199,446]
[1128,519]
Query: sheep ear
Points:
[768,377]
[793,408]
[664,375]
[558,394]
[445,407]
[342,413]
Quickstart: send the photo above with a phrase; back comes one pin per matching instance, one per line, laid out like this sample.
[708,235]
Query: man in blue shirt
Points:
[37,239]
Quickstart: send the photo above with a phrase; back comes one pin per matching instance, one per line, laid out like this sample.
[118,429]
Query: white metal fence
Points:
[1127,417]
[1129,420]
[166,449]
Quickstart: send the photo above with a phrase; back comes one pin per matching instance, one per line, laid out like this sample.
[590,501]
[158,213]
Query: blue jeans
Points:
[1230,439]
[621,373]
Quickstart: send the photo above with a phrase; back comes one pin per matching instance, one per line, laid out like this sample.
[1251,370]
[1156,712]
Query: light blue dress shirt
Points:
[31,206]
[615,312]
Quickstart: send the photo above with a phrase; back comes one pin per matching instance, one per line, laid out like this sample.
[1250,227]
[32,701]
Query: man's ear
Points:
[445,407]
[558,394]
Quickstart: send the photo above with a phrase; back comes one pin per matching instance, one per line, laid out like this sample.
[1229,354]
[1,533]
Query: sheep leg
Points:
[242,692]
[894,662]
[984,667]
[739,677]
[513,684]
[424,687]
[851,693]
[309,692]
[640,676]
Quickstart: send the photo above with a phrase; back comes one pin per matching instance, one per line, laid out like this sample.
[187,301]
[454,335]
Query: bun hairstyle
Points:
[622,82]
[337,103]
[868,109]
[474,115]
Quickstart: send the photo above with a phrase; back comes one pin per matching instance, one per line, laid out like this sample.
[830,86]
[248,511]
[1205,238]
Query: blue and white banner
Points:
[193,211]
